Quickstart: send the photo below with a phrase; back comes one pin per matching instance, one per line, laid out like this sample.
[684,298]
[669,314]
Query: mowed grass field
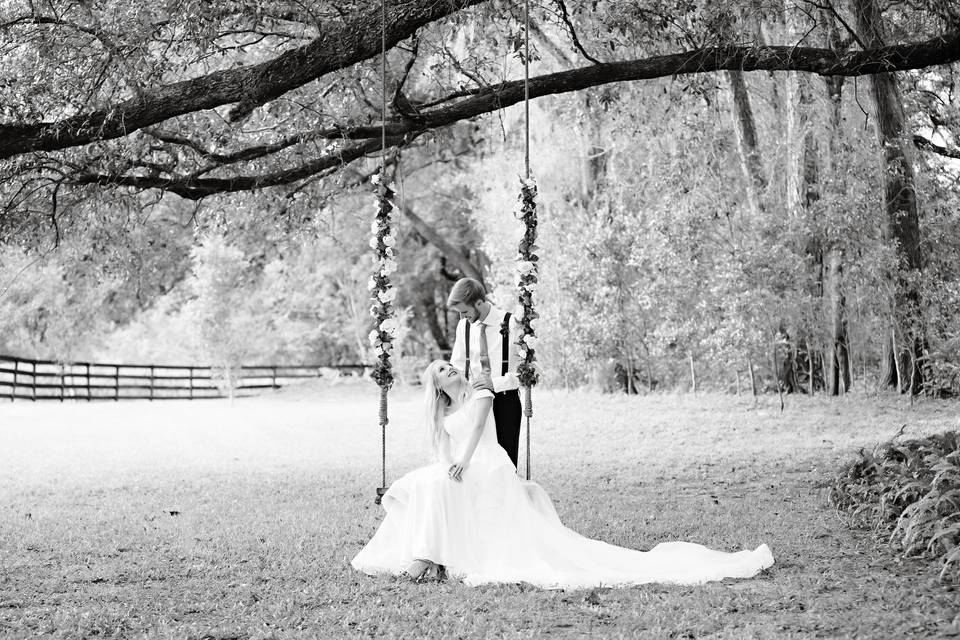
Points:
[218,521]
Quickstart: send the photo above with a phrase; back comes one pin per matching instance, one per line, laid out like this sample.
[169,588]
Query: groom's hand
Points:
[483,381]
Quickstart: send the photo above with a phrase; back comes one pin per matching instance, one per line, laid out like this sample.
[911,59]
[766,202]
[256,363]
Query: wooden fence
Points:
[26,379]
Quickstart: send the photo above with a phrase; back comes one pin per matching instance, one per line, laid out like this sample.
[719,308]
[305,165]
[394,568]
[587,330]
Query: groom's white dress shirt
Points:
[491,327]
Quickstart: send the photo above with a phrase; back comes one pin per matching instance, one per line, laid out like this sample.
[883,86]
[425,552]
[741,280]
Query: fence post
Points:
[274,369]
[62,370]
[151,382]
[33,381]
[87,369]
[16,367]
[191,383]
[116,382]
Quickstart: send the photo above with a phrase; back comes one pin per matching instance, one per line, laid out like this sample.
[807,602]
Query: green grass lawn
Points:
[206,520]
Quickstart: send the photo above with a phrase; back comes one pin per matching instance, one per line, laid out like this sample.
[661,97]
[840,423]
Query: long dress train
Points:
[493,527]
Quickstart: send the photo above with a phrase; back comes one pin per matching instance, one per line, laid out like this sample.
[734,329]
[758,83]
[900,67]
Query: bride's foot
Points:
[423,570]
[420,569]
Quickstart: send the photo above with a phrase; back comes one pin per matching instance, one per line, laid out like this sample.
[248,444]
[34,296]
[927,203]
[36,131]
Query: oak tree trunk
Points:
[748,150]
[837,378]
[902,217]
[803,186]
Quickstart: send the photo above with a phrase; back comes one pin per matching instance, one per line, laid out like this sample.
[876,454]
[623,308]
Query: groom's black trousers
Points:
[507,413]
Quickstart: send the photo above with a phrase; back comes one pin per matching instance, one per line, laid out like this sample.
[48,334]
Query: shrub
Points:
[909,492]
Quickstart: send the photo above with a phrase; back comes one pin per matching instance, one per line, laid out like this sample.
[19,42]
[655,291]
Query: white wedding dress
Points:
[494,527]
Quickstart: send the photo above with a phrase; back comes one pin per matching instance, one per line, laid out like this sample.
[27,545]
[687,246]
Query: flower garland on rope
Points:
[527,258]
[382,242]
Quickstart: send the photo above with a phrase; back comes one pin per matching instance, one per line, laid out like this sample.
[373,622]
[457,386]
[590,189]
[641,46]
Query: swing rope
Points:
[384,387]
[527,373]
[528,403]
[383,86]
[526,88]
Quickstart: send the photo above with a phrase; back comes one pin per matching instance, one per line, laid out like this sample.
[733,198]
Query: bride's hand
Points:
[483,381]
[456,471]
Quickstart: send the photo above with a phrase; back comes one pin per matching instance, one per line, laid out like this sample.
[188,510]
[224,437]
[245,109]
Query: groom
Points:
[480,318]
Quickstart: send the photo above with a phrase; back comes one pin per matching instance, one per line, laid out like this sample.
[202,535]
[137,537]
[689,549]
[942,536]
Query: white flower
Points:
[375,227]
[529,183]
[375,179]
[531,340]
[371,284]
[374,337]
[374,242]
[525,266]
[388,252]
[389,240]
[531,286]
[385,347]
[390,326]
[387,266]
[388,295]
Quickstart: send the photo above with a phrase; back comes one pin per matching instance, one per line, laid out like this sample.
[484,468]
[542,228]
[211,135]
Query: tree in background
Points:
[226,327]
[722,220]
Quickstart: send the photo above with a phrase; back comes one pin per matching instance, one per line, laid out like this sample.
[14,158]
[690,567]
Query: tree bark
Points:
[428,306]
[776,376]
[751,164]
[902,219]
[803,186]
[593,164]
[459,260]
[837,378]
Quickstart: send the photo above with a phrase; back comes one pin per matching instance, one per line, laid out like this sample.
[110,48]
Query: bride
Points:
[472,516]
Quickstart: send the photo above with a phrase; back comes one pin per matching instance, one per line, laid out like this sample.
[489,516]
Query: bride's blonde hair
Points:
[438,404]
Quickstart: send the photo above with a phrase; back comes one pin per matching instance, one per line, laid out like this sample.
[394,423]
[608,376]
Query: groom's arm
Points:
[509,381]
[482,402]
[458,358]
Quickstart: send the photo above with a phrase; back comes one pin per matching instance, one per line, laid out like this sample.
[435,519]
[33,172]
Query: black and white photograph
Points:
[470,319]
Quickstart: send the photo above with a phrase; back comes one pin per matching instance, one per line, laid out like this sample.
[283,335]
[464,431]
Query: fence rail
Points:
[28,379]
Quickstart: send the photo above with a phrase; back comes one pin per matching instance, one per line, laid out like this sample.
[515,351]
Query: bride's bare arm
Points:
[482,411]
[445,456]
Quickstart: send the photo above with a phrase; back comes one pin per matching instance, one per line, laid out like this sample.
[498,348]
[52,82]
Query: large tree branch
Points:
[359,39]
[348,43]
[825,62]
[197,188]
[222,87]
[242,155]
[484,100]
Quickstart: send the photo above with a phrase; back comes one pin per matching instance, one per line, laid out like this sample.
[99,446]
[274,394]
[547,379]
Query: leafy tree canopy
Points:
[204,99]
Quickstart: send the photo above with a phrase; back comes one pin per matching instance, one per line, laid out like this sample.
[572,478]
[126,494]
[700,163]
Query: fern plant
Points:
[908,491]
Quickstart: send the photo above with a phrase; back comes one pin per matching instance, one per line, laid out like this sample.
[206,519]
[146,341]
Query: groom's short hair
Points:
[467,291]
